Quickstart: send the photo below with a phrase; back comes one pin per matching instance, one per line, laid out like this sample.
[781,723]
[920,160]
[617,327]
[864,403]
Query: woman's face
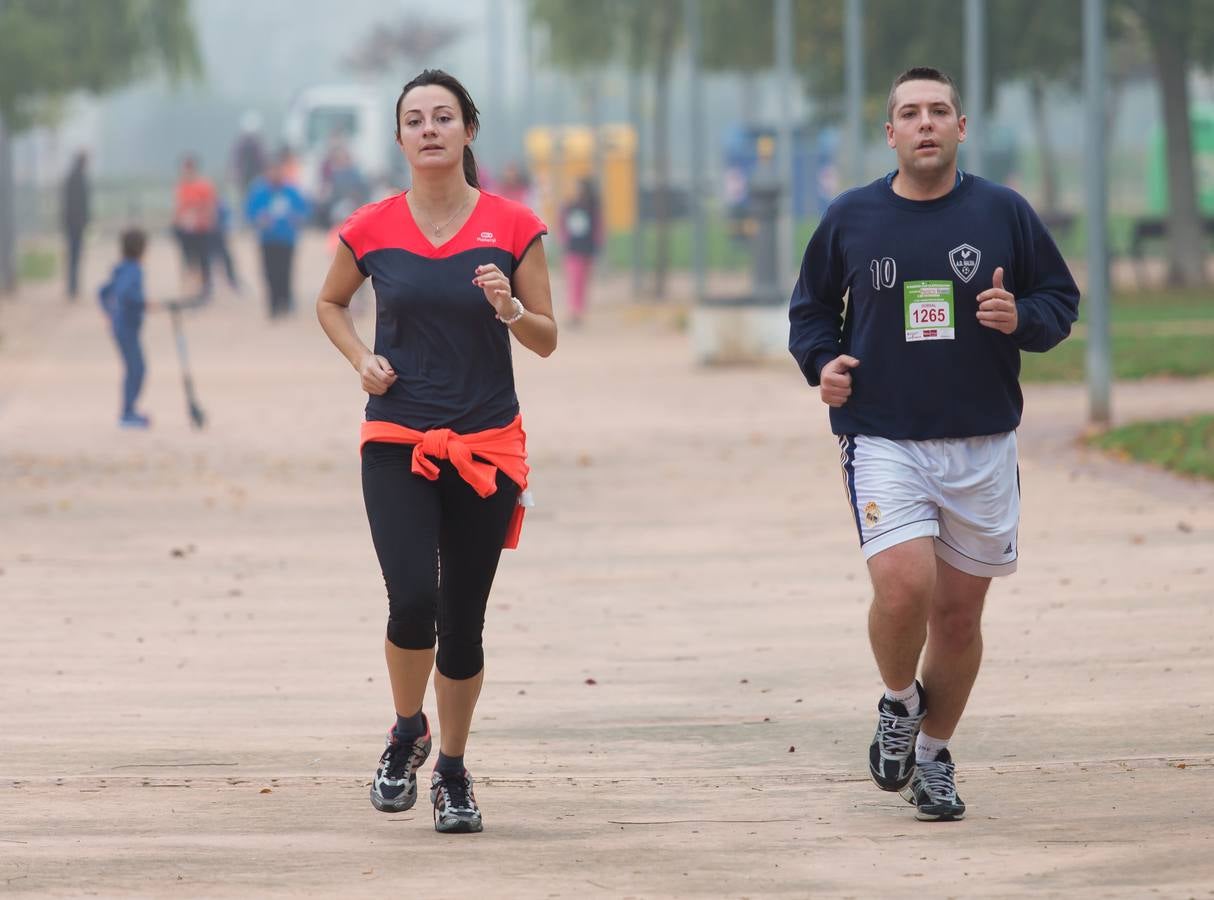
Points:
[432,131]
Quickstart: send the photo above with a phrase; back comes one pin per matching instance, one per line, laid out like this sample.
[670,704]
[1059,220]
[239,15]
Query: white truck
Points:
[359,116]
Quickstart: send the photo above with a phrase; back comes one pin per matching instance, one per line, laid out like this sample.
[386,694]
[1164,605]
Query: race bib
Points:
[577,223]
[929,310]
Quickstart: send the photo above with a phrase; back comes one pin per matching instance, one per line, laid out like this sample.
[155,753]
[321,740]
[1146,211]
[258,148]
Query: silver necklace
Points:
[439,228]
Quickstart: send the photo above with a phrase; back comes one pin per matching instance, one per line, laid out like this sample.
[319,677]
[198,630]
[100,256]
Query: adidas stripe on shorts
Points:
[963,492]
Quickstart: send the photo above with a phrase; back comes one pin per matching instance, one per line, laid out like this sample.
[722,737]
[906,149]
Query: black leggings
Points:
[423,528]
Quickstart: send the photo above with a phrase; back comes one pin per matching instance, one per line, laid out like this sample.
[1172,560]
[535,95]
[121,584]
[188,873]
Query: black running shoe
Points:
[455,809]
[891,756]
[394,788]
[933,789]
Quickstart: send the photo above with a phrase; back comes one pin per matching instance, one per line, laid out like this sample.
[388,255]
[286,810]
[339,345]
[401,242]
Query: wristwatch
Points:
[519,309]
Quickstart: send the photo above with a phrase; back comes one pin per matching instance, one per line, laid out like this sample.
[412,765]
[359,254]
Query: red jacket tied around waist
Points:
[477,457]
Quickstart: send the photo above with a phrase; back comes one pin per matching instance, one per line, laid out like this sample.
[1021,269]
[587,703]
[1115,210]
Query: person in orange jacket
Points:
[456,272]
[195,219]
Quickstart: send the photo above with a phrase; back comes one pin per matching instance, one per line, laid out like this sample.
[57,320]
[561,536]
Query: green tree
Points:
[1040,44]
[585,35]
[414,39]
[737,35]
[1180,34]
[582,41]
[582,36]
[659,28]
[896,36]
[52,48]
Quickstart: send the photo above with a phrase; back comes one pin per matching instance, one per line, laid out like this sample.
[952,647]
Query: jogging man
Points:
[948,277]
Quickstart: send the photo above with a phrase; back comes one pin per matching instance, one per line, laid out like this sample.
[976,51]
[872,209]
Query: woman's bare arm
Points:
[536,330]
[333,311]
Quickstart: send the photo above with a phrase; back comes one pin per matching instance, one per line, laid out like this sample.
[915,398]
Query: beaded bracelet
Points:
[519,311]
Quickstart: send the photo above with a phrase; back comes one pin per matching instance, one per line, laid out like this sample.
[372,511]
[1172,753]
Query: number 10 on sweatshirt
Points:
[929,310]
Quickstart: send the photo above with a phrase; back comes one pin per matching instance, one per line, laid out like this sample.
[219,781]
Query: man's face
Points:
[925,129]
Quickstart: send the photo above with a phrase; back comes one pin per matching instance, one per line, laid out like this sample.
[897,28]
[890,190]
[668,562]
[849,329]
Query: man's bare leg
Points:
[954,647]
[950,666]
[904,579]
[904,585]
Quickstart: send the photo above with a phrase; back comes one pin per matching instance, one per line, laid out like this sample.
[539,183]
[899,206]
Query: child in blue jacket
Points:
[277,210]
[124,304]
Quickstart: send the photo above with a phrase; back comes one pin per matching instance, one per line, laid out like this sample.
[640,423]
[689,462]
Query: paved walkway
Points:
[680,692]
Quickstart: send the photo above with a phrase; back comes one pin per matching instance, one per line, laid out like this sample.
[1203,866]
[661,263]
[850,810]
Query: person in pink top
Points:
[581,236]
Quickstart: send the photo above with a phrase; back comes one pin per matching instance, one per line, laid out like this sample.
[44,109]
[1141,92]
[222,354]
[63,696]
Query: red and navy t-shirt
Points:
[450,353]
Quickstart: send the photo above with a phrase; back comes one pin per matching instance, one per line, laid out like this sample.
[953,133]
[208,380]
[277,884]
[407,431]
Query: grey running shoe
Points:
[891,756]
[455,809]
[394,788]
[933,789]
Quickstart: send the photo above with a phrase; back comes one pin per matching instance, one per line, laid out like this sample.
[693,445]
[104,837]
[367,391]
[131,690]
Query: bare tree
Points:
[416,41]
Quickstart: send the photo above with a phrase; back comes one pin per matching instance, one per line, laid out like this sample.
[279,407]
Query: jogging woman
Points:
[455,271]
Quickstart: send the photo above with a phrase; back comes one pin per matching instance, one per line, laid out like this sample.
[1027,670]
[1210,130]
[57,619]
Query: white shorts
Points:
[964,492]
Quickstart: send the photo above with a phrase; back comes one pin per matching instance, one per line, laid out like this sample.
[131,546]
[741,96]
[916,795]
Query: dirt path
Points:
[192,697]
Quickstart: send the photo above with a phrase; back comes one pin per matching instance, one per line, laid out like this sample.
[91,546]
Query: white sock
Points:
[928,748]
[908,697]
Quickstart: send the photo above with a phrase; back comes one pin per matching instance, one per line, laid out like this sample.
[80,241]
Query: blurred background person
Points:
[219,242]
[514,184]
[195,217]
[277,209]
[581,237]
[249,158]
[75,215]
[124,304]
[329,161]
[289,166]
[343,186]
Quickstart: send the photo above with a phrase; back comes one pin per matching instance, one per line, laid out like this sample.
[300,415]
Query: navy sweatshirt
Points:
[912,271]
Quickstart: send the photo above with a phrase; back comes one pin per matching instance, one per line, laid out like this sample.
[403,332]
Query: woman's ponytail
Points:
[470,173]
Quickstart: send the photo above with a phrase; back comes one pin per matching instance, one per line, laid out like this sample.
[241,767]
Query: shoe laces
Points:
[401,759]
[938,779]
[898,733]
[457,792]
